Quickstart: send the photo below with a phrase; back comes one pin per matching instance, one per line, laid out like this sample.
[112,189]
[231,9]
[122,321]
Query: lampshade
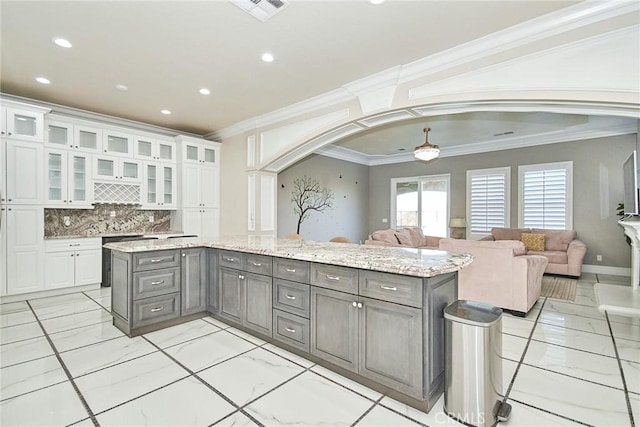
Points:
[426,151]
[457,223]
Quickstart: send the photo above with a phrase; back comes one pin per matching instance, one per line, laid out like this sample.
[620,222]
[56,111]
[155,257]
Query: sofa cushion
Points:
[403,236]
[556,240]
[533,241]
[387,236]
[460,244]
[554,257]
[500,233]
[416,235]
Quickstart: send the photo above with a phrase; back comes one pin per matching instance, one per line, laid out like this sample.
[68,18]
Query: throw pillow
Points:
[404,237]
[533,242]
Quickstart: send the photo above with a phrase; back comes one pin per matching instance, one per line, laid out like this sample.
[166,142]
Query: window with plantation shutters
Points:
[487,200]
[545,196]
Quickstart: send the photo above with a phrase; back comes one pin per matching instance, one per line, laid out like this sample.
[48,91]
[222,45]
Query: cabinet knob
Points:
[9,209]
[184,255]
[71,254]
[64,201]
[70,201]
[355,304]
[9,200]
[359,305]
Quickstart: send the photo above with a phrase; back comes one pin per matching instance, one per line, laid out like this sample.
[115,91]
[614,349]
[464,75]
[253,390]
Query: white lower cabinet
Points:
[72,262]
[203,222]
[24,248]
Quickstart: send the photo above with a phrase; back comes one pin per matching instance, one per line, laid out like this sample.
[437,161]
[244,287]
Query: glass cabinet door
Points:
[167,185]
[130,170]
[24,124]
[58,135]
[152,184]
[165,151]
[144,148]
[87,139]
[209,155]
[192,153]
[55,176]
[117,143]
[79,179]
[105,168]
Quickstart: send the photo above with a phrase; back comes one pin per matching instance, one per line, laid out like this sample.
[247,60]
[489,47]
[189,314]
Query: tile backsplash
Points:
[104,219]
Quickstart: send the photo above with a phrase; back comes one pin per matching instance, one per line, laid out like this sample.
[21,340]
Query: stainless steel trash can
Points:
[473,367]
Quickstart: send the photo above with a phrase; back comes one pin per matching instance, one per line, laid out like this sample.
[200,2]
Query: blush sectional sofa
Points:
[405,237]
[562,248]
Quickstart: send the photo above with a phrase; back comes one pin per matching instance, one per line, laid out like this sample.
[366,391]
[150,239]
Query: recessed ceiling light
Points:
[205,91]
[376,1]
[62,42]
[43,80]
[167,112]
[267,57]
[121,87]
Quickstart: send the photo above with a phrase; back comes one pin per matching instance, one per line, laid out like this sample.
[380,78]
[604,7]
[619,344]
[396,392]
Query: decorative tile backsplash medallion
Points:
[105,219]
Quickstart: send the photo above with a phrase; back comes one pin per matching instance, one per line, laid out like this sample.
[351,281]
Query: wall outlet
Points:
[385,220]
[598,257]
[150,218]
[112,214]
[66,221]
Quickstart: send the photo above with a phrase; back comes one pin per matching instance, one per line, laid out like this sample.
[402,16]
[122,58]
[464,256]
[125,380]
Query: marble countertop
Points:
[407,261]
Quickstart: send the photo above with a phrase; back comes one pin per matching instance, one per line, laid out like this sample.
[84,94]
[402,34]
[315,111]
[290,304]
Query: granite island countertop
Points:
[407,261]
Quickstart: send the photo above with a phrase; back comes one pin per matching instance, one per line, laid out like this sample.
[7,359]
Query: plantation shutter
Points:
[545,197]
[488,199]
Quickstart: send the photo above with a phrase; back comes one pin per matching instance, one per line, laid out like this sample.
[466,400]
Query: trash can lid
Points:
[473,313]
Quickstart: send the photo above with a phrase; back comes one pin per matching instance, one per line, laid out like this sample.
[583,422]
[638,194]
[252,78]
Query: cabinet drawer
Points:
[64,245]
[290,269]
[391,287]
[155,259]
[291,329]
[155,309]
[343,279]
[156,282]
[260,264]
[231,259]
[292,297]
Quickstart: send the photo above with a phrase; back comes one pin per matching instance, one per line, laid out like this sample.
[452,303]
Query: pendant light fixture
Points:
[426,151]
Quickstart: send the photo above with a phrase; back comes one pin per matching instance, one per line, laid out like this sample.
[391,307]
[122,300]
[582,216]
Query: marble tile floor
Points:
[63,363]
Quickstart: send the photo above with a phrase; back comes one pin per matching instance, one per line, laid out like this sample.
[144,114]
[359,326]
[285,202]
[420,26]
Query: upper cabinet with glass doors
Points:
[72,136]
[68,179]
[154,149]
[201,153]
[22,123]
[117,143]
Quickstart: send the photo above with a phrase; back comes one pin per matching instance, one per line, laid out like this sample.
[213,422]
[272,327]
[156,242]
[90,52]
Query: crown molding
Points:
[77,113]
[554,23]
[353,156]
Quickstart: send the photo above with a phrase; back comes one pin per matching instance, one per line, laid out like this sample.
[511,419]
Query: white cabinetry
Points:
[117,143]
[68,180]
[73,262]
[60,134]
[24,228]
[114,168]
[199,193]
[154,149]
[159,189]
[25,173]
[25,123]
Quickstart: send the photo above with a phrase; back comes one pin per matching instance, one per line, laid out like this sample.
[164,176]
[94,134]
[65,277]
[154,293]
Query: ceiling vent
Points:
[261,9]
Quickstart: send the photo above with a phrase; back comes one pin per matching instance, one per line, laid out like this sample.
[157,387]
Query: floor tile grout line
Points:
[524,352]
[206,384]
[99,307]
[624,381]
[552,413]
[32,391]
[66,371]
[572,376]
[573,348]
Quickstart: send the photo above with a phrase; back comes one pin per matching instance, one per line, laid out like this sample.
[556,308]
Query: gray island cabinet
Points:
[374,315]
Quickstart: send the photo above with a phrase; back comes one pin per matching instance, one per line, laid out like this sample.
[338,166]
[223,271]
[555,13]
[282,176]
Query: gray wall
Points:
[601,234]
[350,184]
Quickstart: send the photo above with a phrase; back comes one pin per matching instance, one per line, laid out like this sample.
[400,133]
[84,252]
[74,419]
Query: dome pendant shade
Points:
[426,151]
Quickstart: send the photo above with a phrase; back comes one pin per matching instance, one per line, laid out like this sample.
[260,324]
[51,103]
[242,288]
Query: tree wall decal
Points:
[308,195]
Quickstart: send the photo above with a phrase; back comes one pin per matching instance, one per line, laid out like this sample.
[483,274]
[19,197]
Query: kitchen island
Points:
[371,313]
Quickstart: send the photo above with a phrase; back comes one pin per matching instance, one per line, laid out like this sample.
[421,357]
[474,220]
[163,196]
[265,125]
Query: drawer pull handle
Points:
[156,309]
[159,282]
[290,296]
[334,278]
[290,270]
[293,331]
[389,288]
[156,260]
[229,259]
[256,264]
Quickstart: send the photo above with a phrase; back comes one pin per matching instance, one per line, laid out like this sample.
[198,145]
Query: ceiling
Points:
[165,51]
